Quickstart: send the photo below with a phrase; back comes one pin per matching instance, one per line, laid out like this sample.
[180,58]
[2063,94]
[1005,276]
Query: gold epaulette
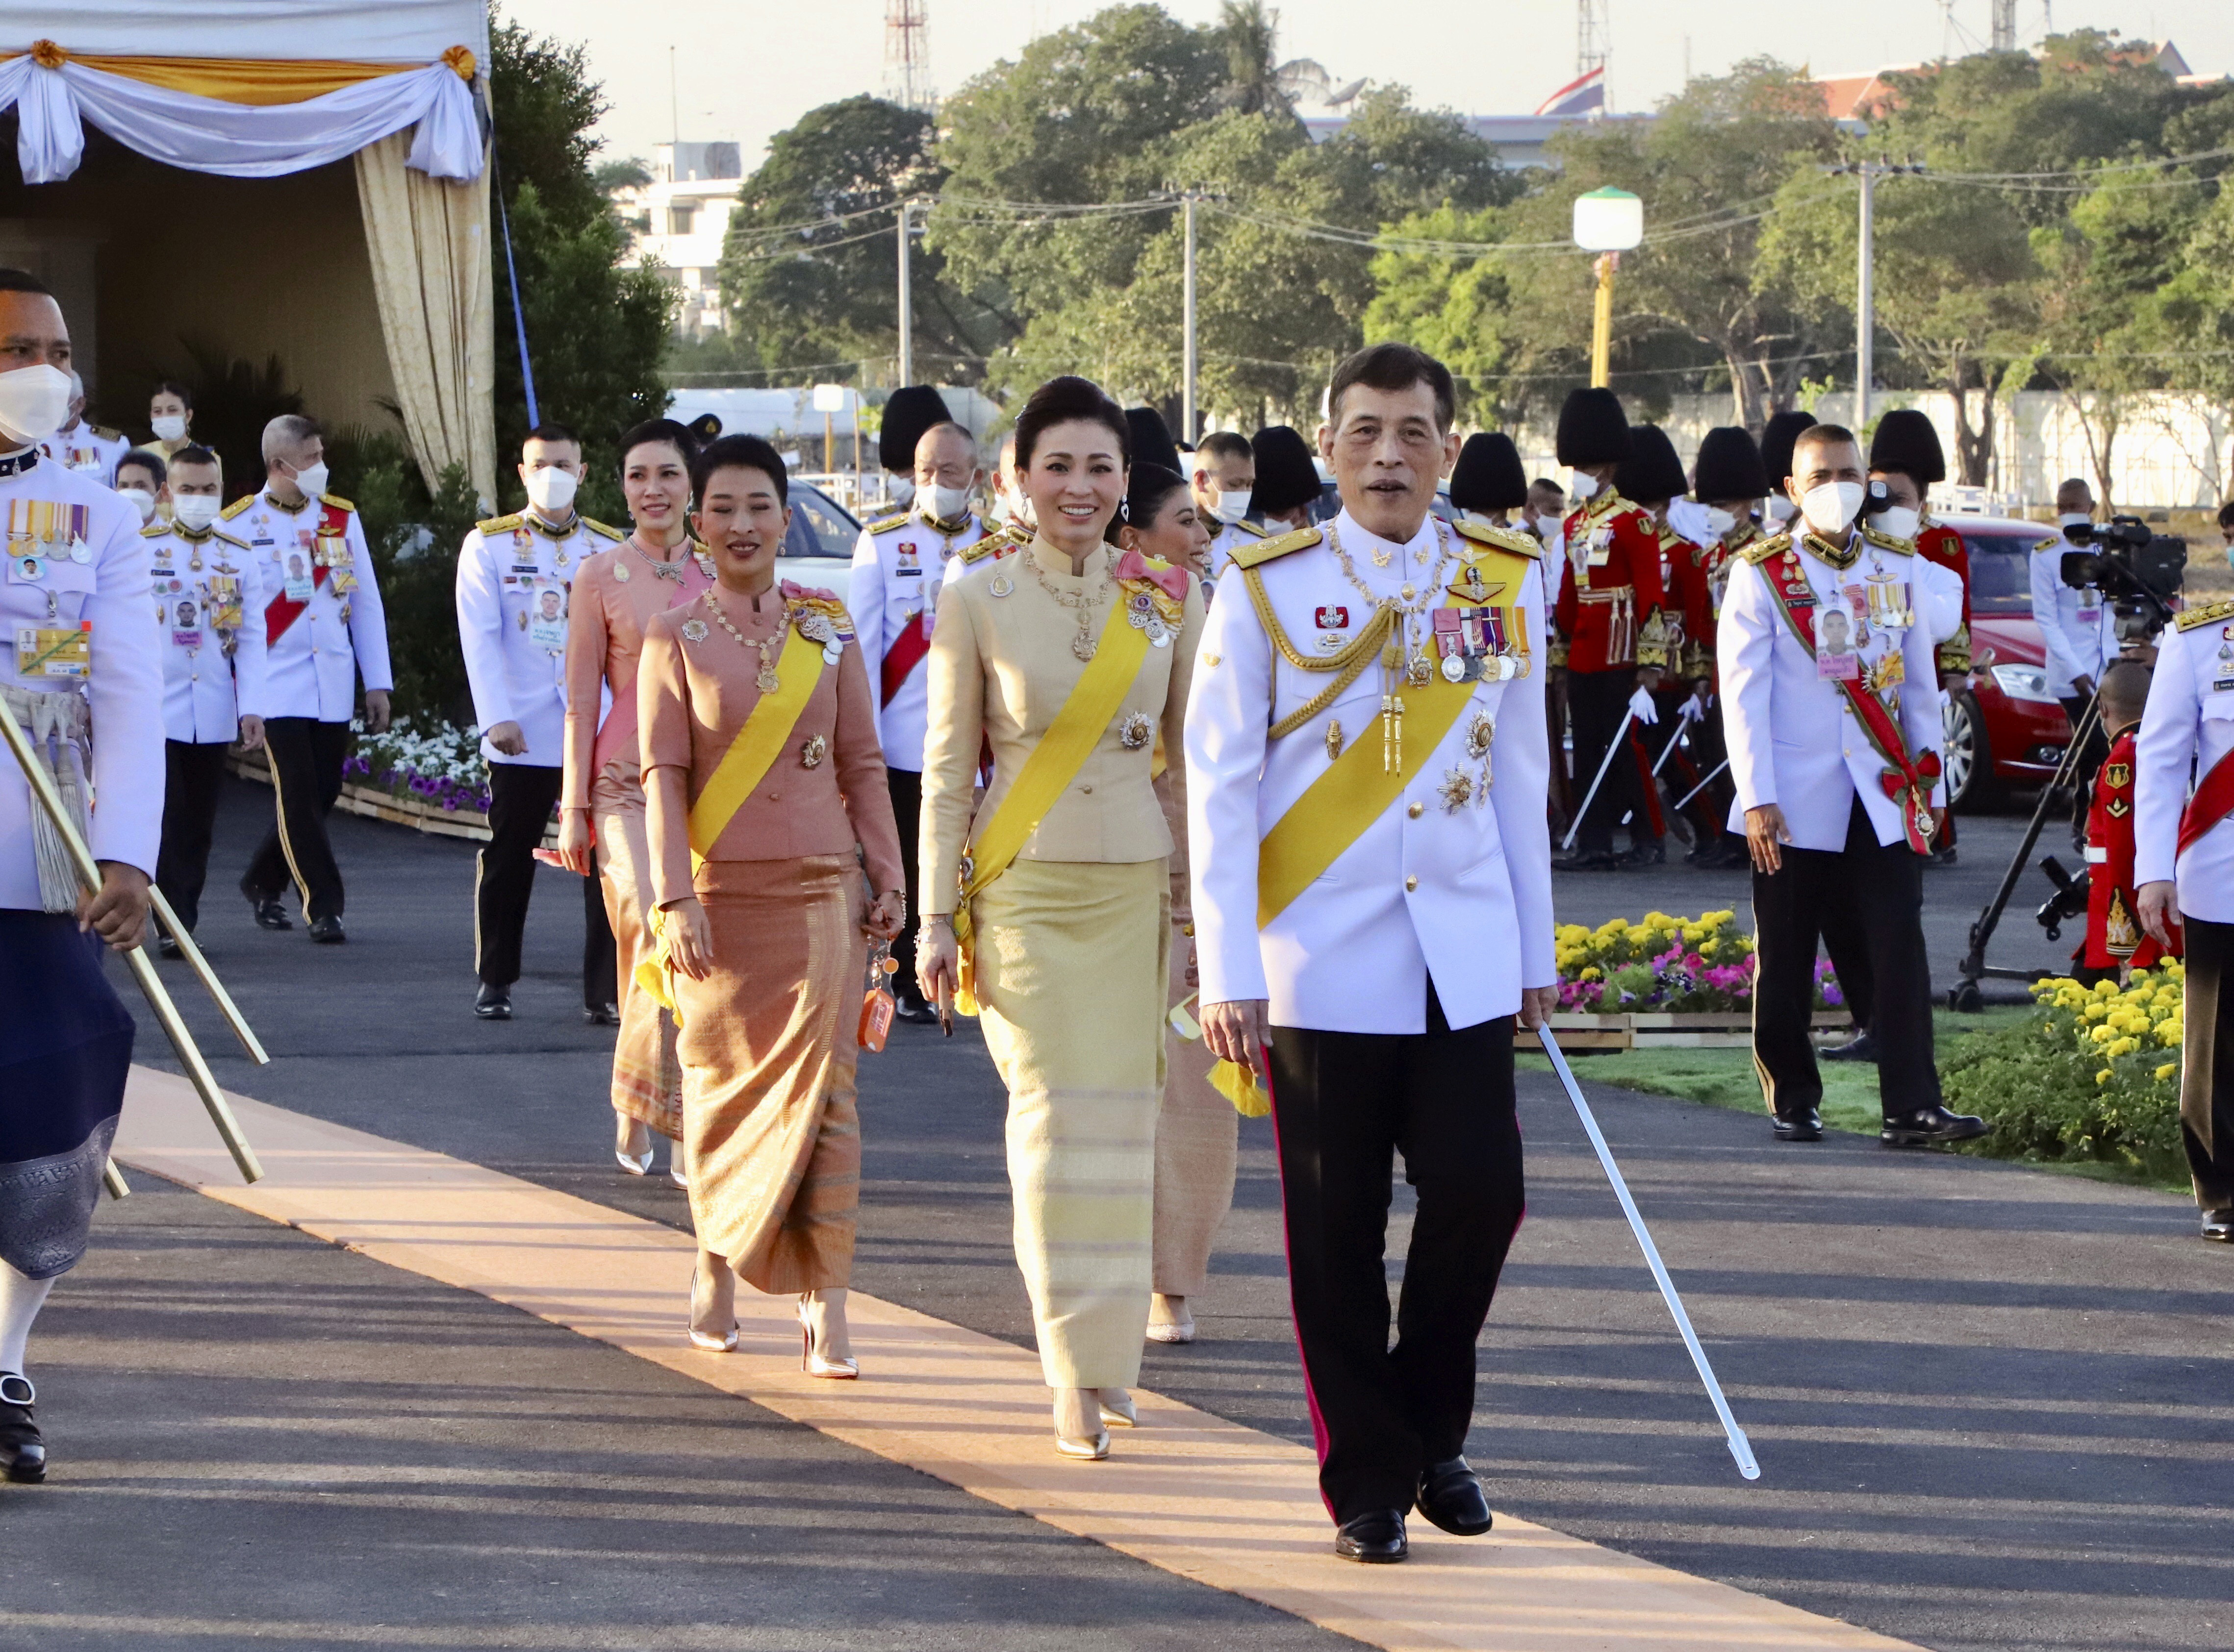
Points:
[1769,545]
[105,433]
[236,507]
[499,523]
[890,523]
[1256,555]
[336,501]
[603,532]
[1521,544]
[154,530]
[237,545]
[1248,527]
[1884,541]
[2210,612]
[2049,542]
[992,544]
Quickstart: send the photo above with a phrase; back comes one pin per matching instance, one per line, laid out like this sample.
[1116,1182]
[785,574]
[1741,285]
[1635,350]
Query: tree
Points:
[1256,82]
[1449,304]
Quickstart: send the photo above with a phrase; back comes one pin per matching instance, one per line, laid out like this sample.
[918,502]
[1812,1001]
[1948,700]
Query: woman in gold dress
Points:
[1047,904]
[767,801]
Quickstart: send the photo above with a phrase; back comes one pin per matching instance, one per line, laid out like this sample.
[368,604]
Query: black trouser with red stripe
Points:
[1596,701]
[1343,1104]
[2206,1079]
[305,755]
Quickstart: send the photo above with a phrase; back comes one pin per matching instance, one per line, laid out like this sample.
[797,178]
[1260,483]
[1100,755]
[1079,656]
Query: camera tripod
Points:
[2056,797]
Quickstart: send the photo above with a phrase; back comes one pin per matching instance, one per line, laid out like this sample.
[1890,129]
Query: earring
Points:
[1124,510]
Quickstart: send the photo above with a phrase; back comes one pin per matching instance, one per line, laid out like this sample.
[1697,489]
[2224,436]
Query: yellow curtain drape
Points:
[240,80]
[432,274]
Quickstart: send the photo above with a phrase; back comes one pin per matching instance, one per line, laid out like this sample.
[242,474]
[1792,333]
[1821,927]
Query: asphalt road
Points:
[1992,1405]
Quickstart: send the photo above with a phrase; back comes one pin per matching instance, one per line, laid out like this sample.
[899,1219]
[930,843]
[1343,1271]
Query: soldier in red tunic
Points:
[1611,615]
[2115,940]
[1730,481]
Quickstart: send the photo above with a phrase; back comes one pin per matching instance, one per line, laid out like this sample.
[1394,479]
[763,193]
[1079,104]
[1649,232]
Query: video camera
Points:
[2139,570]
[2069,900]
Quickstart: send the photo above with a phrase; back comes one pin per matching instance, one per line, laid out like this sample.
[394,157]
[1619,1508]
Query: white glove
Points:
[1693,709]
[1641,708]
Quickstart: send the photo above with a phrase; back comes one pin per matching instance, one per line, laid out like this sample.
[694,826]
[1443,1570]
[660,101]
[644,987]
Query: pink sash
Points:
[616,734]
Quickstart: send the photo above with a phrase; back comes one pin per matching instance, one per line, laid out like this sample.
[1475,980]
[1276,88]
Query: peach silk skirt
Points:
[647,1079]
[1071,962]
[1198,1140]
[769,1042]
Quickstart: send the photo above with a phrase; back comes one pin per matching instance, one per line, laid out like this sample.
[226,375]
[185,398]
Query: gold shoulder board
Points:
[1256,555]
[237,544]
[336,501]
[1251,528]
[991,545]
[1521,544]
[498,524]
[154,530]
[1886,542]
[106,433]
[2049,542]
[2208,614]
[888,524]
[1772,544]
[603,532]
[236,507]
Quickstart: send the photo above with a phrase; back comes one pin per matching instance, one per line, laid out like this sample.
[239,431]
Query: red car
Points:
[2004,729]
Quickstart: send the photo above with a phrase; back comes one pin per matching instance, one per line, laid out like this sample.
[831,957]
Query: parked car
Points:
[2004,729]
[819,547]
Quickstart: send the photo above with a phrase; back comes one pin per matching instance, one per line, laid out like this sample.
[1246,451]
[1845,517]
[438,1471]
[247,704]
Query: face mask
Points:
[311,479]
[172,427]
[1549,526]
[1586,485]
[1232,507]
[550,489]
[945,504]
[195,512]
[1780,510]
[141,498]
[1830,506]
[34,400]
[1899,521]
[1720,521]
[2072,518]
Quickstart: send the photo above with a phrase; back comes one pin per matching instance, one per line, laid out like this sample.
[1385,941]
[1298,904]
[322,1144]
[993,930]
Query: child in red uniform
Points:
[2115,942]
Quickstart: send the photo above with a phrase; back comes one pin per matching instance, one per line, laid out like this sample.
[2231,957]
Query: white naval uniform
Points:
[2079,628]
[1463,893]
[211,679]
[124,686]
[310,669]
[503,567]
[2187,727]
[1229,538]
[88,449]
[898,565]
[1792,739]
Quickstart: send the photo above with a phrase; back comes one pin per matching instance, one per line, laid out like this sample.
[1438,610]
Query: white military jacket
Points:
[1229,538]
[87,448]
[1792,739]
[2187,727]
[1453,880]
[209,618]
[898,567]
[92,572]
[511,570]
[2080,629]
[312,657]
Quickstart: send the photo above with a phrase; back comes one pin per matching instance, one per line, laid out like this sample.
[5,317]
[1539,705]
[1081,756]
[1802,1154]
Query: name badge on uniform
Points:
[295,577]
[546,617]
[54,653]
[186,624]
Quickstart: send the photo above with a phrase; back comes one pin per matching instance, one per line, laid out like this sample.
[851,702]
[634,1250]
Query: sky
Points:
[747,70]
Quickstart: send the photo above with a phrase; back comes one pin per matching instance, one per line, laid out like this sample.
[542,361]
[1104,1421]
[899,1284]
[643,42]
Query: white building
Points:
[681,219]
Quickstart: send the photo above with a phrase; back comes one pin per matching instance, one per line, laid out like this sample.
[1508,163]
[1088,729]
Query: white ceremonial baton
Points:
[1666,752]
[1627,718]
[1704,784]
[1740,1447]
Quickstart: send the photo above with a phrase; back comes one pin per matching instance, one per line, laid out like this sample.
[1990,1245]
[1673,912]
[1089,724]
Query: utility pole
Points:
[1865,302]
[907,295]
[1187,356]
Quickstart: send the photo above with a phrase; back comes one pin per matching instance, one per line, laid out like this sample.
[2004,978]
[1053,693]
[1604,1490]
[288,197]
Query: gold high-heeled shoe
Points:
[706,1340]
[1081,1447]
[1117,1407]
[811,1362]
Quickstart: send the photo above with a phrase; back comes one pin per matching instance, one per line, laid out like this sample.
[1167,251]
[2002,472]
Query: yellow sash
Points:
[1054,763]
[742,768]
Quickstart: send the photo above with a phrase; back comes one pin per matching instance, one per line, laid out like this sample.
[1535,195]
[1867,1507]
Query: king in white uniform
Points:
[78,654]
[1367,767]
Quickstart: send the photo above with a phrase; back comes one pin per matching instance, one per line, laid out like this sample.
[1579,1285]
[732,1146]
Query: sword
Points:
[1627,718]
[143,972]
[1741,1447]
[1704,784]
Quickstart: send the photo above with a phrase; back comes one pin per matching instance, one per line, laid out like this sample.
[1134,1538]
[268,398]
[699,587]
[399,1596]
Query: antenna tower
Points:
[1593,36]
[907,53]
[2003,35]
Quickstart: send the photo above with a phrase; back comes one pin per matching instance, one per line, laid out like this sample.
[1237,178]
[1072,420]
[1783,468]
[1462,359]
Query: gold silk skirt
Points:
[647,1079]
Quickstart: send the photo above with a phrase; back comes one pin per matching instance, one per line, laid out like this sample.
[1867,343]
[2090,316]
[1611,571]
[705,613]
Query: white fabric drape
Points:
[384,31]
[236,139]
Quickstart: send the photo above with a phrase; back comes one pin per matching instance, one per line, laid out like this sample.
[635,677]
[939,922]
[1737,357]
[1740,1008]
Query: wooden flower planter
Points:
[376,805]
[1647,1029]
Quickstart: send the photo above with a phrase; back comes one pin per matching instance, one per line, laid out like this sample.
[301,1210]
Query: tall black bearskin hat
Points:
[706,426]
[1905,441]
[1652,471]
[1776,440]
[1729,467]
[1593,430]
[1151,439]
[1285,475]
[1489,475]
[909,411]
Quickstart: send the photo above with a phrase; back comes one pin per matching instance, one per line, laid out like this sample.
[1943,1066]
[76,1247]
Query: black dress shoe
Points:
[1803,1125]
[23,1451]
[1862,1047]
[1590,860]
[327,932]
[2219,1225]
[1650,852]
[1450,1495]
[1377,1538]
[166,948]
[1931,1126]
[914,1009]
[490,1003]
[270,914]
[601,1014]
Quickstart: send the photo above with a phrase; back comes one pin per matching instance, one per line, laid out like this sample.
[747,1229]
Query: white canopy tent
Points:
[226,90]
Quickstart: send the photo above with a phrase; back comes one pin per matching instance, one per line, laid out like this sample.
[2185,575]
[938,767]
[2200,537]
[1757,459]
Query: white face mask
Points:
[311,479]
[1780,510]
[1586,485]
[1829,506]
[1232,507]
[1720,521]
[944,504]
[141,501]
[550,489]
[172,427]
[1899,521]
[34,402]
[1549,526]
[195,512]
[2072,518]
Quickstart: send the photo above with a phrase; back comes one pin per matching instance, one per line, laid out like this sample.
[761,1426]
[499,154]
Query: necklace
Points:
[767,682]
[669,571]
[1082,603]
[1401,663]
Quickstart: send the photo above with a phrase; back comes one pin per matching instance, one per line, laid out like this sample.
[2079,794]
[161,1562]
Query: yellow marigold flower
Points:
[1591,974]
[2167,1070]
[2105,988]
[2102,1077]
[2103,1034]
